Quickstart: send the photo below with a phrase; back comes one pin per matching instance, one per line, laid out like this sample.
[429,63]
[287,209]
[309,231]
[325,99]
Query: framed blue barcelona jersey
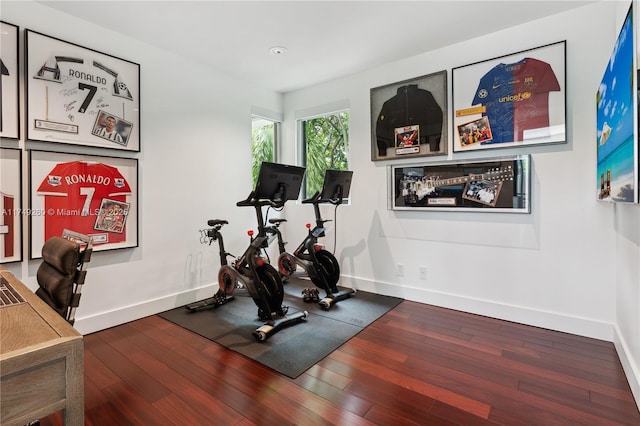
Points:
[511,101]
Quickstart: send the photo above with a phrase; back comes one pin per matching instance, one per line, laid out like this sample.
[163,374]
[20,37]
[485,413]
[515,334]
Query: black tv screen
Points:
[337,184]
[279,182]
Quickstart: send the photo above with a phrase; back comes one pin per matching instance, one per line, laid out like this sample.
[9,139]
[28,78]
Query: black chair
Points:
[63,271]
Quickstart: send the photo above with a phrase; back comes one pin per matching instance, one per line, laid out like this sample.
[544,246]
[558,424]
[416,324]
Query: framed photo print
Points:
[11,212]
[91,195]
[76,95]
[617,142]
[487,185]
[409,118]
[9,98]
[512,100]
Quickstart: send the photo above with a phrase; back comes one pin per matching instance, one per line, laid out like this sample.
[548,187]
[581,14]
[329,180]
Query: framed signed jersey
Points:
[76,95]
[511,101]
[79,195]
[92,195]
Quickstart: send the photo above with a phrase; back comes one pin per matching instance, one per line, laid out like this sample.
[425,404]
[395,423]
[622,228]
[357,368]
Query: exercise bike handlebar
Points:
[315,199]
[252,201]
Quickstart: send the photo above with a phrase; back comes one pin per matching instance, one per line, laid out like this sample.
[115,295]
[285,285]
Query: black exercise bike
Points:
[319,264]
[250,274]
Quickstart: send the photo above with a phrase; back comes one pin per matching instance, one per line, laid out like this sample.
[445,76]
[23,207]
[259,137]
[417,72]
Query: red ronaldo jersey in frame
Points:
[75,195]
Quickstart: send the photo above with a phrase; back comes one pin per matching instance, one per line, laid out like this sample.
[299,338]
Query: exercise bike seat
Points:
[216,222]
[277,220]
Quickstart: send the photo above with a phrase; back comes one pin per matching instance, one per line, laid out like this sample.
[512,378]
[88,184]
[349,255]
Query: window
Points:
[325,145]
[263,143]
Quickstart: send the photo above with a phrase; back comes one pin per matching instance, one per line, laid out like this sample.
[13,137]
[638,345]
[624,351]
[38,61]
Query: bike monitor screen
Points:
[279,182]
[337,184]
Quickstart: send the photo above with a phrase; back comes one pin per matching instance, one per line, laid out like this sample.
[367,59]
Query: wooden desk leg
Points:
[73,414]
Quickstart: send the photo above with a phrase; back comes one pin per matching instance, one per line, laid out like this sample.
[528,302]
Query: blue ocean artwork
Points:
[616,121]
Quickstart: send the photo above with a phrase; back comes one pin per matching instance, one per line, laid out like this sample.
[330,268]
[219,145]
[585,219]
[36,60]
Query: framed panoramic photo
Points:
[409,118]
[510,101]
[488,185]
[76,95]
[9,99]
[11,212]
[617,144]
[92,195]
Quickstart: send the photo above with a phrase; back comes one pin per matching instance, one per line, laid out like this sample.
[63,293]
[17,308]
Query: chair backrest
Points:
[63,271]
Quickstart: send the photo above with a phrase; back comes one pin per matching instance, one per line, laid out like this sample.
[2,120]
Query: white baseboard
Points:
[631,369]
[554,321]
[550,320]
[104,320]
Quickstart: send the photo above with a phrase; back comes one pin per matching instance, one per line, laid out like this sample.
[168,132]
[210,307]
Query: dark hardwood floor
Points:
[417,365]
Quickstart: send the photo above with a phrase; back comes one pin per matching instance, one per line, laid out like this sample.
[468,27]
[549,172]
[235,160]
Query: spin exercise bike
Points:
[250,274]
[319,264]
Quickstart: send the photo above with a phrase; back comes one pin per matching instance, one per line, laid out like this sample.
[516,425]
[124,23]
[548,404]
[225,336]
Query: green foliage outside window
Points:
[326,143]
[262,147]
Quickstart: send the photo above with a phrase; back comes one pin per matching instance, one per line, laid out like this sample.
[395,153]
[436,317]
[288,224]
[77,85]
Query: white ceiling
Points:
[324,39]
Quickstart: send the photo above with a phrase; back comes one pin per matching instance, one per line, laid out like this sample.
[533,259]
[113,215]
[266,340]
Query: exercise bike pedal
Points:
[310,294]
[265,331]
[212,302]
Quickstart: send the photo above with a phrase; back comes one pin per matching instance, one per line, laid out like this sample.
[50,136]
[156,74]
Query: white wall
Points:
[550,268]
[557,267]
[627,274]
[626,268]
[191,169]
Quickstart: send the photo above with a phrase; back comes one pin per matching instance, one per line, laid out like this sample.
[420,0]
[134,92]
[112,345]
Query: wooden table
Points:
[41,361]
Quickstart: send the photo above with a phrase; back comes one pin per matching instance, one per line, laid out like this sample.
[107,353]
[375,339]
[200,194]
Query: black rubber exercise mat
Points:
[294,349]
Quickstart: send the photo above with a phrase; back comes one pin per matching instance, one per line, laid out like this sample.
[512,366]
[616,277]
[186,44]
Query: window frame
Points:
[301,144]
[277,125]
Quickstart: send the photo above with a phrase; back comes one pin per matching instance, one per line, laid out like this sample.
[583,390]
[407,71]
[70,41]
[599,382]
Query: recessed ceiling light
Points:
[278,50]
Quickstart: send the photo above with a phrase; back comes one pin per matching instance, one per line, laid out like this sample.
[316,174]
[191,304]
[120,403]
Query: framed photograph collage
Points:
[515,100]
[74,97]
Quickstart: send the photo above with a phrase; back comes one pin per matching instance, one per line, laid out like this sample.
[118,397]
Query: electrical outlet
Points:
[422,273]
[400,270]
